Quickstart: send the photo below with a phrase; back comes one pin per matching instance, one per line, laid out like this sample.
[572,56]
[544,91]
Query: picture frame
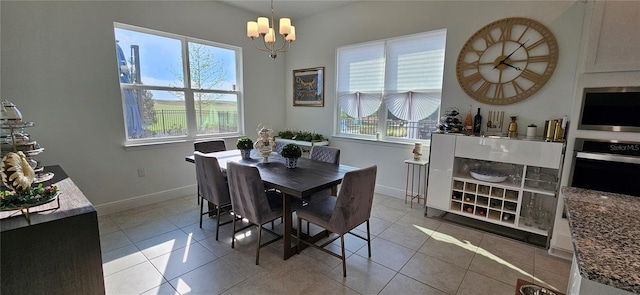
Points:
[308,87]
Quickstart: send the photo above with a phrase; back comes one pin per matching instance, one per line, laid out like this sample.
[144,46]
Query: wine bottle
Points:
[477,123]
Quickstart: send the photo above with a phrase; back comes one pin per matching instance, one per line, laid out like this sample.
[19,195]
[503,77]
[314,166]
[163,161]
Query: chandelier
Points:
[262,28]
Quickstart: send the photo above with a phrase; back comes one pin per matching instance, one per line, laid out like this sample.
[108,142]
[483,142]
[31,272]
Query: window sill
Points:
[381,142]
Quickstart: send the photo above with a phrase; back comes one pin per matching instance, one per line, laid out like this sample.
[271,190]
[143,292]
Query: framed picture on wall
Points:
[308,87]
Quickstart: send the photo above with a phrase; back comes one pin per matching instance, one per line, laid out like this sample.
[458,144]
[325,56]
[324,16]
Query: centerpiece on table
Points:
[291,152]
[18,175]
[265,142]
[245,145]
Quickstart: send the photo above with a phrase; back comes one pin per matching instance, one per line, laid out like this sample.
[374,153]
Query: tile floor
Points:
[160,249]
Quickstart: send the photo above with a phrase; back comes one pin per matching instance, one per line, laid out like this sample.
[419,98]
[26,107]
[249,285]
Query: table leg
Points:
[287,217]
[406,188]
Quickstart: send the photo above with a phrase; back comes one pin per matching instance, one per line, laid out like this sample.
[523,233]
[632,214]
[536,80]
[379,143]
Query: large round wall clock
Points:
[507,61]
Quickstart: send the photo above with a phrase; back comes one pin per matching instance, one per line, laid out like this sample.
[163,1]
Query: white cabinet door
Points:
[440,171]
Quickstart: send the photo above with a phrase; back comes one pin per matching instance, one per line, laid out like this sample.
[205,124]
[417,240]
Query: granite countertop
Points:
[605,228]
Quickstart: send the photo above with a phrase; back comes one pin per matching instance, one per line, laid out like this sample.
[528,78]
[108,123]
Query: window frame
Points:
[189,100]
[382,114]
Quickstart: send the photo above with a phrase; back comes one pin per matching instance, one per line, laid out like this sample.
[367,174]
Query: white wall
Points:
[320,34]
[58,65]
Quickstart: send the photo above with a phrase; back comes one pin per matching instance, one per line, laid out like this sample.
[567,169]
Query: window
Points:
[391,87]
[176,87]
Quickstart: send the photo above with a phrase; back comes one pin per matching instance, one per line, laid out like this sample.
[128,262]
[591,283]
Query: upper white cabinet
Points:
[613,37]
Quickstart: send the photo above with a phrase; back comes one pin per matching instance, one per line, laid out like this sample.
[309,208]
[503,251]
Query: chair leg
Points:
[258,246]
[272,225]
[201,208]
[308,230]
[368,238]
[233,235]
[218,224]
[299,235]
[344,260]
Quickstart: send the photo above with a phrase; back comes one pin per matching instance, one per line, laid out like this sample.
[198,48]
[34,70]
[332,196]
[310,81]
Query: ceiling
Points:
[293,9]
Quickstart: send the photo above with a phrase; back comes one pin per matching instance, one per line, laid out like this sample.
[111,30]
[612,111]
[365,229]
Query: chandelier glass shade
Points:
[262,28]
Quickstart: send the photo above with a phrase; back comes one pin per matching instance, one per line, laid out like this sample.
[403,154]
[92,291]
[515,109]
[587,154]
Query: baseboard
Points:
[561,253]
[145,200]
[389,191]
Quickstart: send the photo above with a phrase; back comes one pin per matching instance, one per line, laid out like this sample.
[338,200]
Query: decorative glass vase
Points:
[290,162]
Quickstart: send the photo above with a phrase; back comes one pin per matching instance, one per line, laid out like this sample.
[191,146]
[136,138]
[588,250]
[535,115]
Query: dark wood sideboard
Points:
[59,253]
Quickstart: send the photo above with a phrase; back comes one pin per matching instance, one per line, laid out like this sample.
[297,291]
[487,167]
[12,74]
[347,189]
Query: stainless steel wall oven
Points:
[610,109]
[606,165]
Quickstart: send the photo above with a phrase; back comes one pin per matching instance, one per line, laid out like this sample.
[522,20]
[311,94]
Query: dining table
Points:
[309,177]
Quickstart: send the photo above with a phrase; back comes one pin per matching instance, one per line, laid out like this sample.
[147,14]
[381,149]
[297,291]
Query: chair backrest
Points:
[325,154]
[353,206]
[248,197]
[209,146]
[279,146]
[211,182]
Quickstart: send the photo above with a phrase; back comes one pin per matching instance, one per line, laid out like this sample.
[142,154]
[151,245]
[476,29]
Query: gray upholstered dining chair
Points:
[340,215]
[325,154]
[250,200]
[213,187]
[209,146]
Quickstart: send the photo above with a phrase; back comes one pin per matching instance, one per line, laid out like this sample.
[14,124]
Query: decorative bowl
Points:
[488,175]
[535,290]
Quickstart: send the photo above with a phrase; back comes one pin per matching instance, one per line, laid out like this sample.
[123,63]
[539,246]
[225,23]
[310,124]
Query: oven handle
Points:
[608,157]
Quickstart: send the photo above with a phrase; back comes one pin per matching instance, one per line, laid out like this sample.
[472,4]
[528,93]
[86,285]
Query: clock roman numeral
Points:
[488,39]
[470,65]
[534,45]
[473,79]
[517,87]
[505,32]
[484,88]
[531,76]
[540,58]
[522,35]
[499,93]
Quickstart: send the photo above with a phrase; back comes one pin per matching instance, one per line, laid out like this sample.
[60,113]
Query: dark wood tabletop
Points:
[307,178]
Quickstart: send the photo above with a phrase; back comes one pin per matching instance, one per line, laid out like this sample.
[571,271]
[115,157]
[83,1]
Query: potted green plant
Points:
[291,152]
[245,145]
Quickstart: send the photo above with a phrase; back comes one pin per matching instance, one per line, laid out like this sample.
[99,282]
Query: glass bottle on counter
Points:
[477,123]
[468,123]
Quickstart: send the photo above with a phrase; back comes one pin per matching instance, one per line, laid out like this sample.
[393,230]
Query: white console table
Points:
[533,168]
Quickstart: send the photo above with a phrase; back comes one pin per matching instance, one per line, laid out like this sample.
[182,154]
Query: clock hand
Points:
[508,65]
[521,45]
[508,56]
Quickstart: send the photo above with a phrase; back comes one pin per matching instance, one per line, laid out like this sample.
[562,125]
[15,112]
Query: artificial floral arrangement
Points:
[300,135]
[18,176]
[37,195]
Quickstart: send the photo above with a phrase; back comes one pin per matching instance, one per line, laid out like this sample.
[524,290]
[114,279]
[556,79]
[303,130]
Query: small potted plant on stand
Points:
[245,145]
[291,152]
